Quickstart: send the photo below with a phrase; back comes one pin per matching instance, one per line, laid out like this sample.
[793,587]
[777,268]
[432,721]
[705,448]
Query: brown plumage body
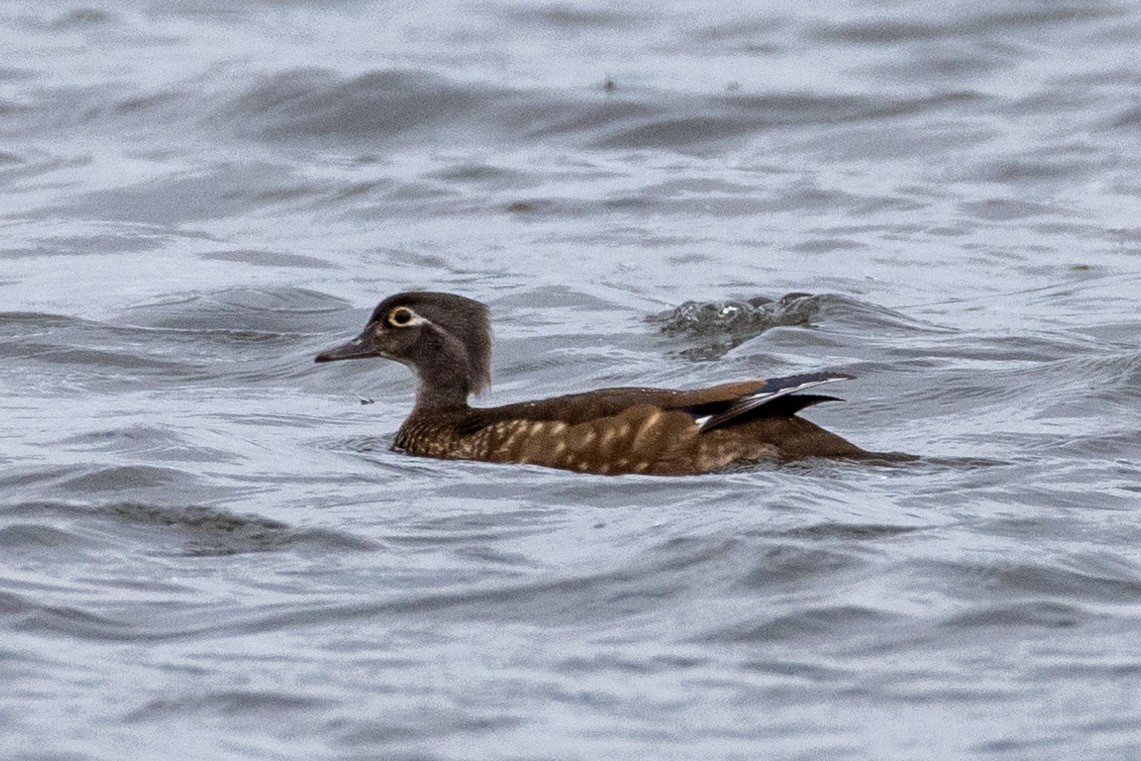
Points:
[445,339]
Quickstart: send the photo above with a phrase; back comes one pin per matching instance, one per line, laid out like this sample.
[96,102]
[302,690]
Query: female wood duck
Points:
[446,340]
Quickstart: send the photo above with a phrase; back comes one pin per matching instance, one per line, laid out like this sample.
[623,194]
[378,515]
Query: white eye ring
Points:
[403,317]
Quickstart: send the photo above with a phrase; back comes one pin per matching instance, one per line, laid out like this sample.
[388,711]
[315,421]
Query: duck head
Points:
[444,338]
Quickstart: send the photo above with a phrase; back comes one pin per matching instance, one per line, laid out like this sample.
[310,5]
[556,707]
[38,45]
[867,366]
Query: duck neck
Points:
[443,381]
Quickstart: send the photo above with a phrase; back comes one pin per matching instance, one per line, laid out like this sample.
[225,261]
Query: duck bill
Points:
[360,347]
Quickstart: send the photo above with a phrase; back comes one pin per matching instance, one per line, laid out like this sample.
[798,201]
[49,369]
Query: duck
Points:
[445,339]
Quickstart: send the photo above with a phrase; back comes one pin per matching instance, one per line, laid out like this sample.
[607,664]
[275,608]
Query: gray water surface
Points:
[207,549]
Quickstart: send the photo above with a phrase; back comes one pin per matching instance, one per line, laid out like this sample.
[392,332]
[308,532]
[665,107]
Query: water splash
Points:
[719,326]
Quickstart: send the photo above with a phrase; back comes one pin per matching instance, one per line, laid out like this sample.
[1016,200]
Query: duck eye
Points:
[400,317]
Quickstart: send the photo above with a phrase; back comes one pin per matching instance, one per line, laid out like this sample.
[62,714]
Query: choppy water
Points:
[207,550]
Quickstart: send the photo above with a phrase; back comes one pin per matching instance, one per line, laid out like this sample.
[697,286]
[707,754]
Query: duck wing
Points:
[778,396]
[709,407]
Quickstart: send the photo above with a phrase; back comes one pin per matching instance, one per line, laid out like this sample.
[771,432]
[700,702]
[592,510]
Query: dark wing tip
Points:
[804,379]
[780,396]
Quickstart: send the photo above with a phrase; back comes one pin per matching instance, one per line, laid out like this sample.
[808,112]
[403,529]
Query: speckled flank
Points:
[641,439]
